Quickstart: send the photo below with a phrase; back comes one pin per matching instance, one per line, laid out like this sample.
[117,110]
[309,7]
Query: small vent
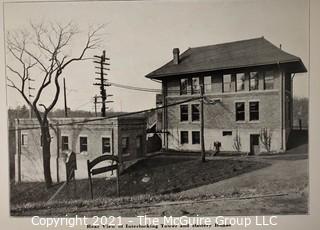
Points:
[226,133]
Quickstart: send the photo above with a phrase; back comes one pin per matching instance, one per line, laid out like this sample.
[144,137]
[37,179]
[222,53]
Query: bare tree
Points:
[265,138]
[42,53]
[237,142]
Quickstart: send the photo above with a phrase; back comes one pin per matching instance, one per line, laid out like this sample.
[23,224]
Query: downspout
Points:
[293,75]
[281,106]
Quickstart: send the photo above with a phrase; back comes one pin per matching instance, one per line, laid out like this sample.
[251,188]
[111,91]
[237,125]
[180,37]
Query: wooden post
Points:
[90,181]
[118,185]
[19,152]
[203,151]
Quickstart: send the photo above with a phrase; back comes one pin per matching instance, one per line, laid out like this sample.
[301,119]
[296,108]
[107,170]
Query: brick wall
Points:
[220,117]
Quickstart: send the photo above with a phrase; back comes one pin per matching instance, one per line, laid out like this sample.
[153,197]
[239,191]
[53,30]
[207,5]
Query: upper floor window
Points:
[254,110]
[184,113]
[195,112]
[240,81]
[240,111]
[24,139]
[207,84]
[83,144]
[226,82]
[268,80]
[184,137]
[195,85]
[64,142]
[254,80]
[184,86]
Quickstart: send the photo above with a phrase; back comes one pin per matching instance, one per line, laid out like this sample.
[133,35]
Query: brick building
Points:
[247,92]
[123,136]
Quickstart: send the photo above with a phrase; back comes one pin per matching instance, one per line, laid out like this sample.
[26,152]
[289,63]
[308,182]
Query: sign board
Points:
[94,171]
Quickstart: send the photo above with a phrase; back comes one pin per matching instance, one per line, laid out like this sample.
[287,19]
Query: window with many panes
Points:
[240,81]
[64,142]
[195,85]
[184,113]
[254,110]
[184,137]
[106,145]
[83,144]
[240,111]
[227,83]
[268,80]
[207,84]
[254,80]
[184,86]
[195,137]
[195,112]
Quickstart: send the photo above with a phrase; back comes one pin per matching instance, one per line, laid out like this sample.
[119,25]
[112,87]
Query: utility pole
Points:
[30,95]
[102,82]
[203,151]
[65,98]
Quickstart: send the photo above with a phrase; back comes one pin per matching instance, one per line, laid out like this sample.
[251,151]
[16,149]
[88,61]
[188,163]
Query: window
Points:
[195,85]
[226,133]
[24,139]
[268,80]
[184,86]
[125,144]
[254,81]
[240,112]
[106,147]
[64,142]
[195,137]
[240,81]
[195,109]
[227,83]
[83,144]
[254,111]
[184,113]
[184,138]
[207,84]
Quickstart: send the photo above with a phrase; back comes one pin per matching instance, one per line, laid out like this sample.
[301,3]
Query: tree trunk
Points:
[46,155]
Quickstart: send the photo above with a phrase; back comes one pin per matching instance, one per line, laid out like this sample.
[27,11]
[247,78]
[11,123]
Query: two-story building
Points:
[247,89]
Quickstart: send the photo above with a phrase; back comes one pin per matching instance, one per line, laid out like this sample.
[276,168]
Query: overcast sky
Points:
[140,36]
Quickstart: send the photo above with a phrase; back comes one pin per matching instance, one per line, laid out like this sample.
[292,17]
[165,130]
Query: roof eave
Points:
[300,69]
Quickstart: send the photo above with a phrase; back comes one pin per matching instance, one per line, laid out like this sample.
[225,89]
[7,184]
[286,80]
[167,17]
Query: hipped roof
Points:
[238,54]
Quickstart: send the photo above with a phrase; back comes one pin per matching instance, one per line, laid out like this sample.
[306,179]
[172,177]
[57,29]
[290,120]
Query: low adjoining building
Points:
[247,96]
[124,137]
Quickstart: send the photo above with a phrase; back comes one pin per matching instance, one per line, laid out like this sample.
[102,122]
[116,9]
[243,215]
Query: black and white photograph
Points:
[157,108]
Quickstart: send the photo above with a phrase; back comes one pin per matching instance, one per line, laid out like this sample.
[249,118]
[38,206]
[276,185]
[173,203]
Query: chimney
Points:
[176,57]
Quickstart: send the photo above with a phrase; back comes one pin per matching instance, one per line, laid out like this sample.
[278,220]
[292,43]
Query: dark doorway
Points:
[254,144]
[139,146]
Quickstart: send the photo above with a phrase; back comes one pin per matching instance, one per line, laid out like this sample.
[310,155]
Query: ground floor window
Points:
[83,144]
[106,147]
[125,145]
[64,143]
[195,137]
[240,111]
[184,137]
[24,139]
[254,110]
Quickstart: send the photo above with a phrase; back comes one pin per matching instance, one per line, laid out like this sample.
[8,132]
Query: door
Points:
[254,144]
[139,146]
